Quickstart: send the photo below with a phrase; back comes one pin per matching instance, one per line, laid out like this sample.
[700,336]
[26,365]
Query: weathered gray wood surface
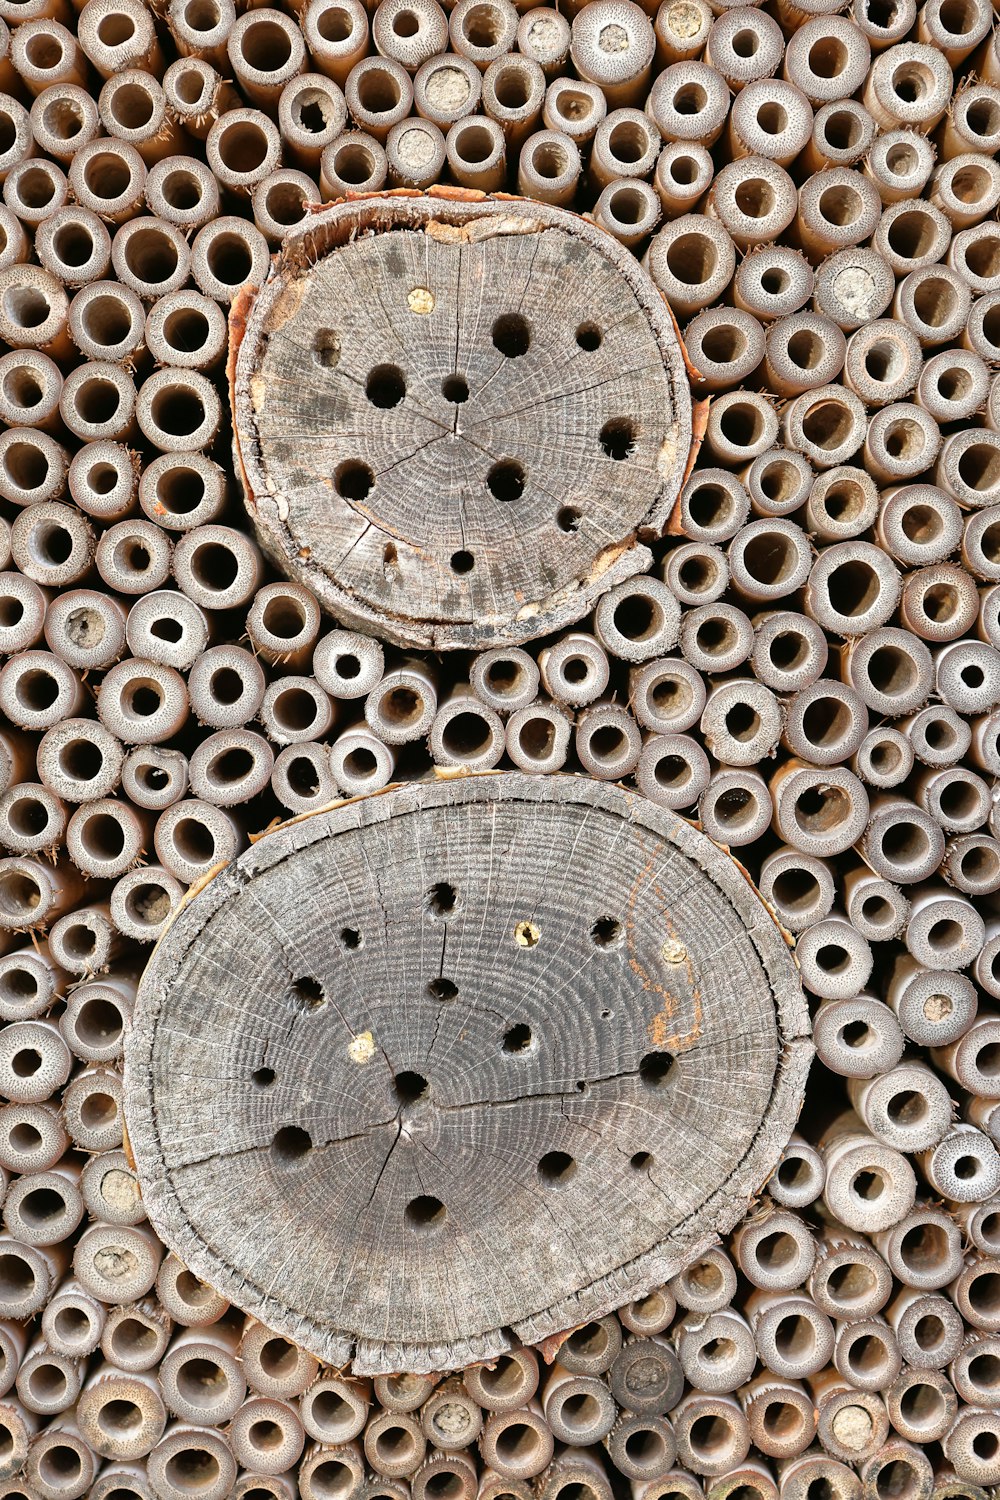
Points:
[462,1064]
[456,420]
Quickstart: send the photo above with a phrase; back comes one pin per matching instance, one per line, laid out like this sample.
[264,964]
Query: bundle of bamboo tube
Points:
[811,669]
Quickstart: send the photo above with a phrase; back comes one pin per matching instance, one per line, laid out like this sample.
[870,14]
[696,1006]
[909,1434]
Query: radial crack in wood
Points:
[462,1064]
[457,420]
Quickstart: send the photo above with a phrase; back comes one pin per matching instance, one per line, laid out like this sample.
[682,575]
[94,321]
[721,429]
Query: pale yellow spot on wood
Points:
[420,300]
[362,1048]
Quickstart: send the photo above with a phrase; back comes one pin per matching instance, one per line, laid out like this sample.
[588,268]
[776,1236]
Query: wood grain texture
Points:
[457,420]
[461,1065]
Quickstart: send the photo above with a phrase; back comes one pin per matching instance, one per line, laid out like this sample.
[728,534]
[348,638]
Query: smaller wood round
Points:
[456,420]
[460,1065]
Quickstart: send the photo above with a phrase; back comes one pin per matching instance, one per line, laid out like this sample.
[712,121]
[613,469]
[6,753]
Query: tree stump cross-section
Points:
[456,421]
[462,1064]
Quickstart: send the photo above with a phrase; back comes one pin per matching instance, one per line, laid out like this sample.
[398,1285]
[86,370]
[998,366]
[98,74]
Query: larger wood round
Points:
[456,420]
[461,1064]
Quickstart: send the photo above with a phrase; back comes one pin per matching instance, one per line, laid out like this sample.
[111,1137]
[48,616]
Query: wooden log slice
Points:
[456,420]
[462,1064]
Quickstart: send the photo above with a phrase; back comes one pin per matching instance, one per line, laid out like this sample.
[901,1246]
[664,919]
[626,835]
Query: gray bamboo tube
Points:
[64,117]
[60,1463]
[508,1386]
[741,426]
[754,199]
[735,808]
[974,1292]
[266,50]
[922,1405]
[940,738]
[911,236]
[853,286]
[789,651]
[711,1432]
[186,329]
[646,1377]
[744,48]
[690,102]
[302,778]
[717,1353]
[355,162]
[628,209]
[216,566]
[72,1323]
[190,1460]
[335,1408]
[543,36]
[121,1416]
[770,118]
[142,702]
[97,403]
[106,321]
[29,982]
[928,1327]
[875,907]
[769,559]
[226,685]
[449,1418]
[882,362]
[79,760]
[514,93]
[858,1037]
[964,1166]
[133,108]
[415,154]
[136,1336]
[272,1366]
[667,696]
[230,767]
[707,1284]
[827,58]
[200,30]
[188,1300]
[119,34]
[33,1138]
[924,1250]
[794,1339]
[195,92]
[42,1210]
[142,902]
[34,189]
[869,1186]
[166,628]
[200,1376]
[713,506]
[74,245]
[804,350]
[973,1372]
[154,777]
[361,762]
[672,770]
[279,202]
[799,1474]
[17,132]
[312,113]
[109,178]
[394,1445]
[724,345]
[403,1392]
[696,573]
[683,176]
[574,108]
[899,164]
[774,1250]
[94,1021]
[574,671]
[465,732]
[919,524]
[716,637]
[798,886]
[692,261]
[110,1191]
[955,797]
[780,1414]
[104,838]
[266,1436]
[85,941]
[741,723]
[180,491]
[549,168]
[183,193]
[23,606]
[37,690]
[483,30]
[972,122]
[650,1314]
